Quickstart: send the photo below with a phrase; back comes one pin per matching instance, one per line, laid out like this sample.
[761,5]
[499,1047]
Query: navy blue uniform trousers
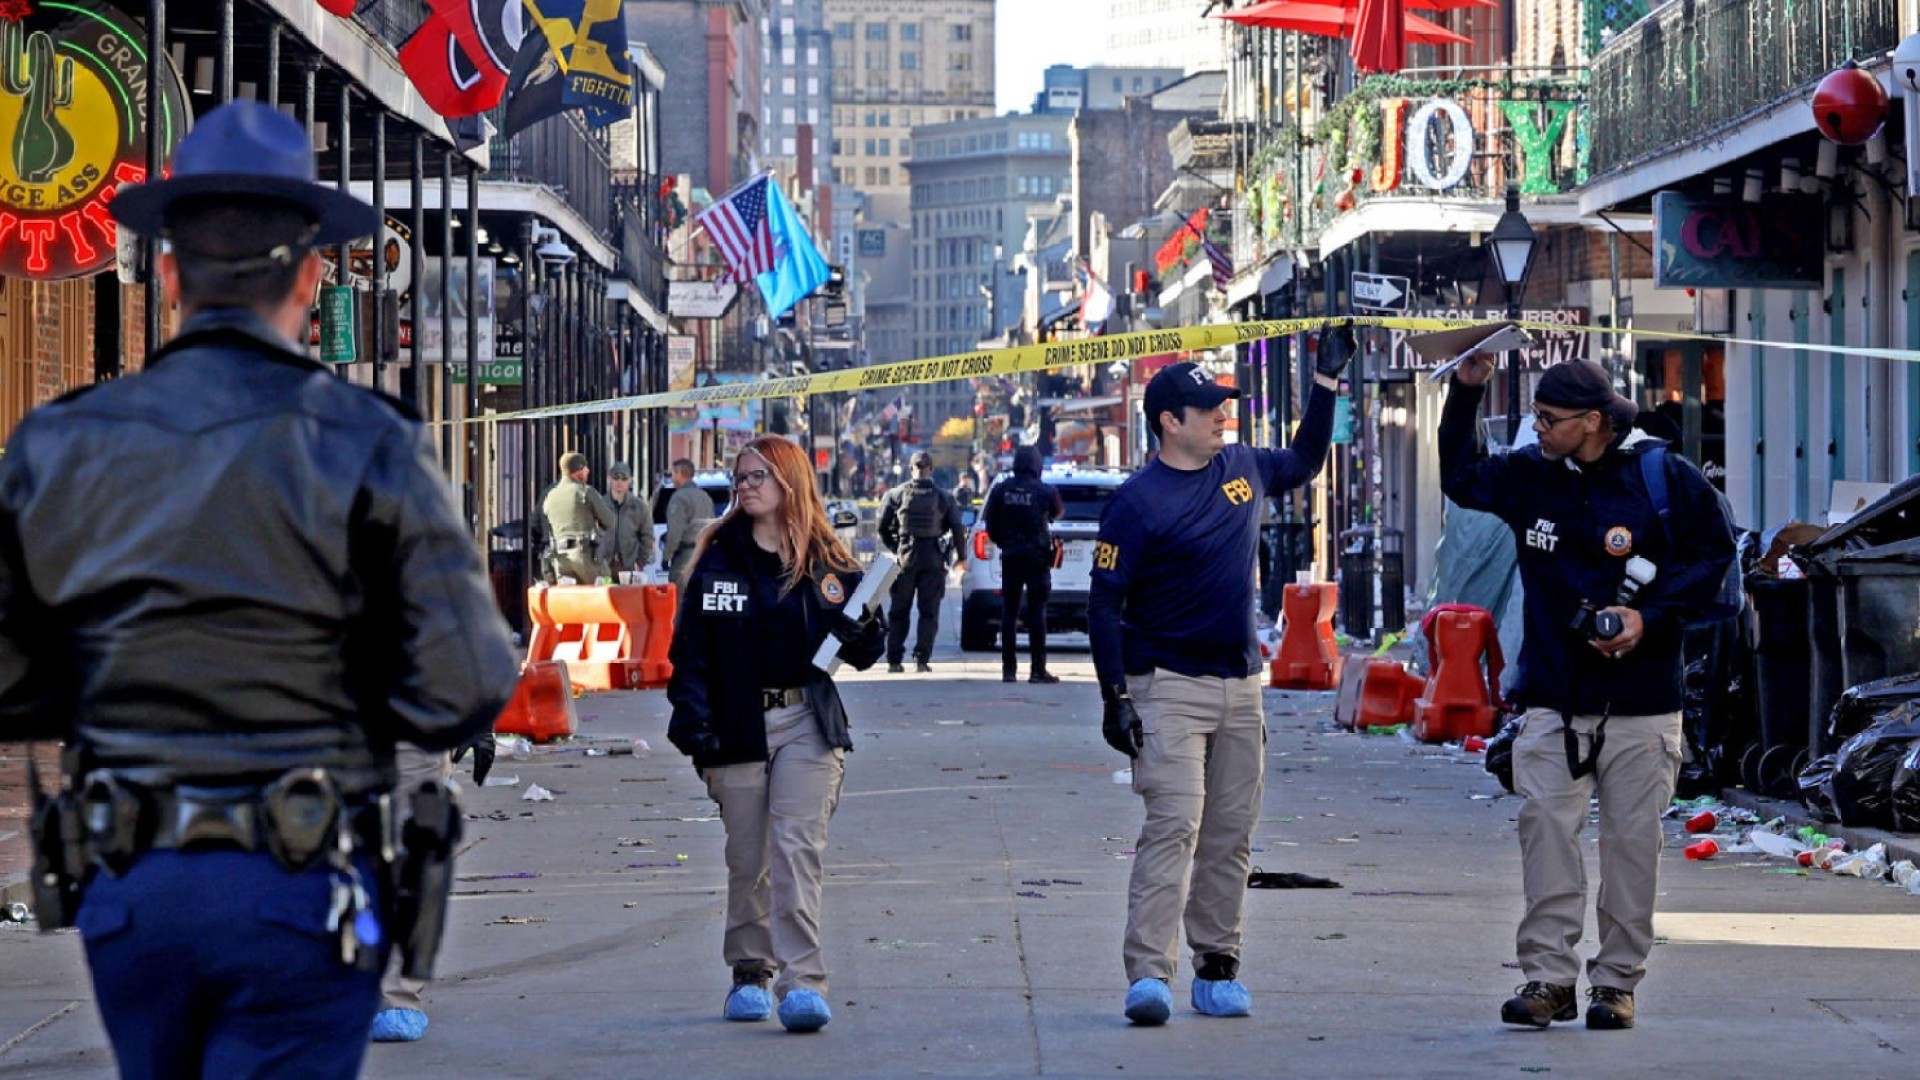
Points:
[219,964]
[921,584]
[1029,575]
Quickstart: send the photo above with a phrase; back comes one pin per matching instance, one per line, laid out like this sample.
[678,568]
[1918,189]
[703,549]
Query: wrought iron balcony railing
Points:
[1408,138]
[1695,67]
[563,154]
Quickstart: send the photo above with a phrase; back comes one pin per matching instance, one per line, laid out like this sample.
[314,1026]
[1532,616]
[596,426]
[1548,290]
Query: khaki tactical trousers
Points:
[776,816]
[1634,778]
[1201,773]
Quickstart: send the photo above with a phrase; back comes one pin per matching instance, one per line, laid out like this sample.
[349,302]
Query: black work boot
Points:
[1609,1008]
[1538,1004]
[1009,673]
[1045,678]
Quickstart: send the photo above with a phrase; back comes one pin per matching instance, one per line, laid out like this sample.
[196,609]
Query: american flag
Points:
[738,226]
[1222,265]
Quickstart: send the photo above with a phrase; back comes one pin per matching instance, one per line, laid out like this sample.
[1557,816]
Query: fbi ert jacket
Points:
[235,563]
[1575,526]
[719,717]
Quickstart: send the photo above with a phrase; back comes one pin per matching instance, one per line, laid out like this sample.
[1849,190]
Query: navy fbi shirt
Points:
[1175,558]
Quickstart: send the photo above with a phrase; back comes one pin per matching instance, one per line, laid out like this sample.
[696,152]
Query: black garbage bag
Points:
[1816,788]
[1863,769]
[1861,705]
[1906,792]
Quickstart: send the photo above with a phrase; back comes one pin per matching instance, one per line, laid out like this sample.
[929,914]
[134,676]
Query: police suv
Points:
[1085,491]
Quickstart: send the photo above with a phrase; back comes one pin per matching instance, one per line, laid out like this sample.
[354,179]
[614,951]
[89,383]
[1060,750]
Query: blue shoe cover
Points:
[1221,997]
[748,1002]
[399,1025]
[804,1010]
[1149,1002]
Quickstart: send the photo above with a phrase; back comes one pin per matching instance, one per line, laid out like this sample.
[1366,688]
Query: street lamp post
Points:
[1513,242]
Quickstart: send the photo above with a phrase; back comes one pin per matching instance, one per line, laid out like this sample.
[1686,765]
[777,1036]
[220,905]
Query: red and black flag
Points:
[460,57]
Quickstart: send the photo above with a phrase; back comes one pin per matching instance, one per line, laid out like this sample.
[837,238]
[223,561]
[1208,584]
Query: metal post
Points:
[1514,360]
[379,255]
[156,160]
[344,132]
[273,65]
[223,60]
[529,398]
[474,359]
[446,310]
[417,262]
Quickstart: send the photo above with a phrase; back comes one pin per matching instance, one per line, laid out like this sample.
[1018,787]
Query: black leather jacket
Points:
[718,718]
[236,563]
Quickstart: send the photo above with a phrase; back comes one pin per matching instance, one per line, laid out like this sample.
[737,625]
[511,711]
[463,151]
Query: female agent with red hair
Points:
[764,727]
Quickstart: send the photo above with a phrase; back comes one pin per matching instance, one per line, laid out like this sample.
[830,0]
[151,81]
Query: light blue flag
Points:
[798,267]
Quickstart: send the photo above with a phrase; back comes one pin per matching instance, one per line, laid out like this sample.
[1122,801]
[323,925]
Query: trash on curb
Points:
[536,793]
[517,920]
[1772,843]
[1123,776]
[1870,864]
[19,912]
[517,747]
[1705,849]
[501,781]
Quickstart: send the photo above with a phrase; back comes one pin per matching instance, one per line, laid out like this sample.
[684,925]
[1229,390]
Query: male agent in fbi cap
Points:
[1609,587]
[233,583]
[1171,622]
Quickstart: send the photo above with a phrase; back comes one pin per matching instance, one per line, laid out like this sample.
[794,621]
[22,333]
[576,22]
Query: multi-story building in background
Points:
[1068,89]
[1164,33]
[796,114]
[972,182]
[898,64]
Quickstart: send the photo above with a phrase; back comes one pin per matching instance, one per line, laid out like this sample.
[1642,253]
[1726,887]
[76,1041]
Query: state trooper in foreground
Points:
[232,584]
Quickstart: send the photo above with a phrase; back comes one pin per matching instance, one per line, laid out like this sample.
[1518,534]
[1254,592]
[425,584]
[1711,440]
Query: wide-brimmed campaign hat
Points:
[240,150]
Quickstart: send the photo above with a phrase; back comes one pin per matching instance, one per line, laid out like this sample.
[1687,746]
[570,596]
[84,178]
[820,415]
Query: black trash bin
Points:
[1393,581]
[1879,607]
[1356,582]
[1782,682]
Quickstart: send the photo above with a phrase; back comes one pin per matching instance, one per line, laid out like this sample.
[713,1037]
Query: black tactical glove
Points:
[1336,350]
[695,742]
[483,750]
[862,642]
[1120,725]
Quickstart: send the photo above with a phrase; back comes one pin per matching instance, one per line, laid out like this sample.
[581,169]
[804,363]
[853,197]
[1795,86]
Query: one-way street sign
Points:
[1381,292]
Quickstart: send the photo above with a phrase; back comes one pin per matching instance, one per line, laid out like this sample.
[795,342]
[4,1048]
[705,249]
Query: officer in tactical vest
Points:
[576,516]
[231,584]
[1018,513]
[915,519]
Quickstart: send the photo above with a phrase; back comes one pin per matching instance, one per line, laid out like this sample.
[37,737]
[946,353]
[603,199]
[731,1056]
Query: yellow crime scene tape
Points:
[1095,350]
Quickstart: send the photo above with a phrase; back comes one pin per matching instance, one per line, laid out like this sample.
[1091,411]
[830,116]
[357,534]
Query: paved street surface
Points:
[976,892]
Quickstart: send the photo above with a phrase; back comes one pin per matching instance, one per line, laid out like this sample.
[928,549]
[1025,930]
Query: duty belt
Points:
[782,699]
[297,819]
[569,543]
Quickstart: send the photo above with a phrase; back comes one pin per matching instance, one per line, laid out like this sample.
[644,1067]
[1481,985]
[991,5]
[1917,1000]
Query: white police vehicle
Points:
[718,484]
[1085,491]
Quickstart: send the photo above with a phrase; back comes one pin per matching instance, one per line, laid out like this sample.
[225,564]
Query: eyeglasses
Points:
[751,478]
[1547,420]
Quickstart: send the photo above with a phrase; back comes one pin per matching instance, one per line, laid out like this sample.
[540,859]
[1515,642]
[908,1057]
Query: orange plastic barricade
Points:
[1387,693]
[1308,658]
[612,637]
[1459,699]
[542,704]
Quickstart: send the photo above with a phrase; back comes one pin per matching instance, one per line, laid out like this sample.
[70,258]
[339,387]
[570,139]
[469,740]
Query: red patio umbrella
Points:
[1335,20]
[1379,36]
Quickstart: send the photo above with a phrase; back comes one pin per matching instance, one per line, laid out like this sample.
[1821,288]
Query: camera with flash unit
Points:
[1595,624]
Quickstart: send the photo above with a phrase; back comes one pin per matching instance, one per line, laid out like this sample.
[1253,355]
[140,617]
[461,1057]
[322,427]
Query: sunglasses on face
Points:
[751,478]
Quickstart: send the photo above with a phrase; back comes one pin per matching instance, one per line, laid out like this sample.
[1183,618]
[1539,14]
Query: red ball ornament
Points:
[1849,105]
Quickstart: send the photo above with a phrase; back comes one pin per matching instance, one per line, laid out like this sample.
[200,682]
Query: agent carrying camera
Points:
[232,583]
[1610,582]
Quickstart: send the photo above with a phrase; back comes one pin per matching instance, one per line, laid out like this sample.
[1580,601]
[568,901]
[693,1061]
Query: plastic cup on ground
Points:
[1704,821]
[1705,849]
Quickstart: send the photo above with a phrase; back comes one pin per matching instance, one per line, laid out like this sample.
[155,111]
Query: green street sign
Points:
[502,371]
[337,337]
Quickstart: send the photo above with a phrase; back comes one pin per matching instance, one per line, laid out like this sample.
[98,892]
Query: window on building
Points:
[959,61]
[909,61]
[870,176]
[1119,84]
[786,24]
[786,54]
[813,113]
[786,115]
[788,86]
[886,117]
[786,147]
[886,147]
[960,32]
[1158,81]
[843,31]
[1046,140]
[1020,185]
[1138,84]
[866,119]
[876,31]
[871,152]
[1000,141]
[886,176]
[813,56]
[910,32]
